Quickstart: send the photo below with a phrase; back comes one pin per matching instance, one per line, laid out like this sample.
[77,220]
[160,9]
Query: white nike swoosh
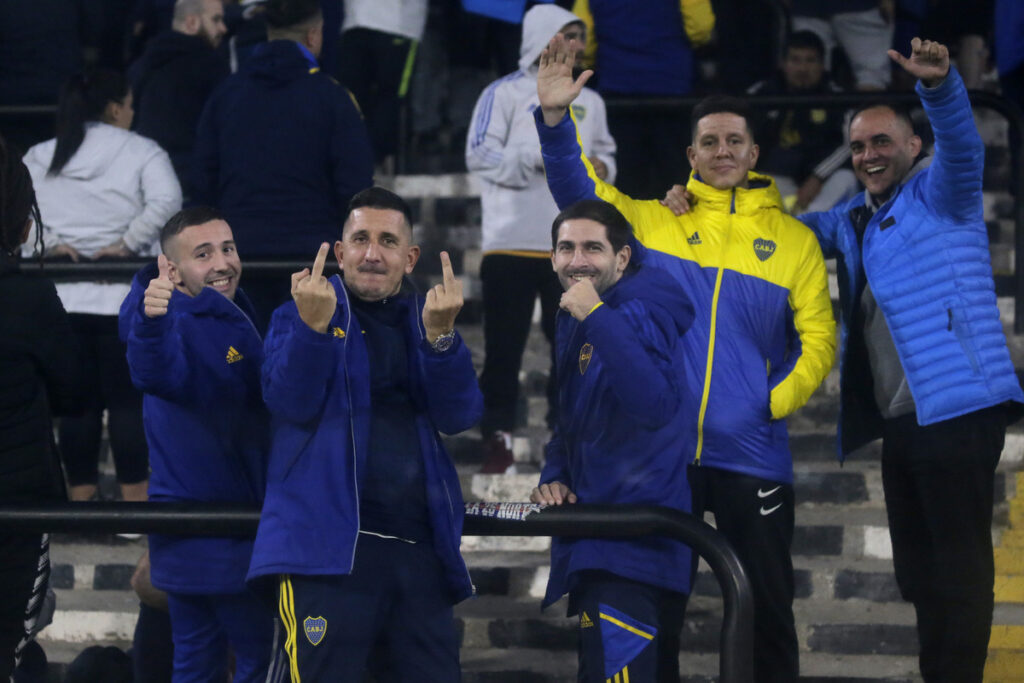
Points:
[765,494]
[765,513]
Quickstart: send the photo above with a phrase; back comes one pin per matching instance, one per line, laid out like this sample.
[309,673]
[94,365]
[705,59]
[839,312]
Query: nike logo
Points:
[765,513]
[765,494]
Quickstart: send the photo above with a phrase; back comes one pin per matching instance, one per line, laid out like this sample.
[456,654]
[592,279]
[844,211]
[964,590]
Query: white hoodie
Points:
[503,150]
[117,186]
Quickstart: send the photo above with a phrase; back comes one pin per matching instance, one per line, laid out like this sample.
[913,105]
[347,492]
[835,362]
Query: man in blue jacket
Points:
[620,438]
[193,350]
[363,516]
[924,359]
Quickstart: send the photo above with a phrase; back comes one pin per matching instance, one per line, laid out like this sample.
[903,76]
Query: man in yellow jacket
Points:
[761,343]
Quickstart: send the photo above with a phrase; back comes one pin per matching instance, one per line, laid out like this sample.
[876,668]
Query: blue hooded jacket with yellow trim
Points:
[206,425]
[317,387]
[620,434]
[926,256]
[763,336]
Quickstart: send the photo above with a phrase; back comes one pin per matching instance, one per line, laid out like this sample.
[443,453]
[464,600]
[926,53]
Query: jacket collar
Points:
[760,195]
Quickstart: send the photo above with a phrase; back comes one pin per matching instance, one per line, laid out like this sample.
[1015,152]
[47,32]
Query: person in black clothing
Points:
[37,378]
[174,78]
[281,148]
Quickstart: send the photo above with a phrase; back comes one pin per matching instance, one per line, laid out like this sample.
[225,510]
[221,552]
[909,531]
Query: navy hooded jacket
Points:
[621,435]
[206,425]
[280,150]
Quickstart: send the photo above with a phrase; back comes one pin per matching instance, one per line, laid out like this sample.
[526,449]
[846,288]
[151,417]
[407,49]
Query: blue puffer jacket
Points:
[926,257]
[199,367]
[317,387]
[621,437]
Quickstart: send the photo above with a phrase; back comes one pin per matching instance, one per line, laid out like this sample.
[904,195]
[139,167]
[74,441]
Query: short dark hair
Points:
[807,40]
[721,104]
[186,218]
[617,228]
[902,112]
[379,198]
[286,14]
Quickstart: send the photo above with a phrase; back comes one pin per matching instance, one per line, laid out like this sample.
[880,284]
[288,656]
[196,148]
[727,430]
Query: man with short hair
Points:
[620,438]
[281,147]
[762,340]
[193,351]
[924,362]
[803,149]
[173,78]
[503,152]
[363,518]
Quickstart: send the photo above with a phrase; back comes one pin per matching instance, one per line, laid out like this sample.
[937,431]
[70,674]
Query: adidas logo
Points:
[233,355]
[694,238]
[585,621]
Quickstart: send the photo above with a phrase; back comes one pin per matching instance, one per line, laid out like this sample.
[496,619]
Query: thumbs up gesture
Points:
[158,295]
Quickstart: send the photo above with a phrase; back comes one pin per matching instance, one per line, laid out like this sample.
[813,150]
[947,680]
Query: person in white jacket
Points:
[104,192]
[503,152]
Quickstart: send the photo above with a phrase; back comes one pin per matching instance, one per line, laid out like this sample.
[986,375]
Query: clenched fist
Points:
[158,294]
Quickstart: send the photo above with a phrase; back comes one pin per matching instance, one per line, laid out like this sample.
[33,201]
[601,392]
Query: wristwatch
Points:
[443,342]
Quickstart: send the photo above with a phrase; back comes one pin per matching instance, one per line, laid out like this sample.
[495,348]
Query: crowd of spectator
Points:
[279,112]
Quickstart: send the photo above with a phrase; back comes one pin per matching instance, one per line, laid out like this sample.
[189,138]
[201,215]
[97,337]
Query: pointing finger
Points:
[165,267]
[321,259]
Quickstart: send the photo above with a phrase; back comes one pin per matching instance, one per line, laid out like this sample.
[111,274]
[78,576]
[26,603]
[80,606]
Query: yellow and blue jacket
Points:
[763,336]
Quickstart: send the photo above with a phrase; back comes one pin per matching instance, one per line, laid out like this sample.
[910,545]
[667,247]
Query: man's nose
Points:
[372,252]
[578,258]
[220,262]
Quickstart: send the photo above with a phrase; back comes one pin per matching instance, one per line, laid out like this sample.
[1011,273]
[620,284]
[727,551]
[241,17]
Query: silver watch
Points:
[443,342]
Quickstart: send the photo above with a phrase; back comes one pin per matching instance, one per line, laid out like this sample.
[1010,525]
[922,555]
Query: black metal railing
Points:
[481,519]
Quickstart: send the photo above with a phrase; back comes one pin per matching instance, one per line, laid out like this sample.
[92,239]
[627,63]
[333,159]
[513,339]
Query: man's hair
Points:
[289,19]
[901,112]
[721,104]
[617,228]
[379,198]
[17,202]
[807,40]
[184,9]
[186,218]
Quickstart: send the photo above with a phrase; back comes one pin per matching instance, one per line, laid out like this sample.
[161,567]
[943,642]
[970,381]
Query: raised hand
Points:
[929,61]
[157,296]
[580,299]
[314,296]
[444,301]
[556,88]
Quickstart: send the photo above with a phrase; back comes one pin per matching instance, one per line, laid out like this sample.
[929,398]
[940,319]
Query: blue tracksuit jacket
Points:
[206,425]
[926,256]
[621,437]
[317,387]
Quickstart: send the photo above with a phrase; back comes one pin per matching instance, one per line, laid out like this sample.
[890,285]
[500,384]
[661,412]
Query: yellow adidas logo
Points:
[585,621]
[338,332]
[233,355]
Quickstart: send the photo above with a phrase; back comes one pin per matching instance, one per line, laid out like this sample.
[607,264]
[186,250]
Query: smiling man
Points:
[924,359]
[363,518]
[620,438]
[194,352]
[762,340]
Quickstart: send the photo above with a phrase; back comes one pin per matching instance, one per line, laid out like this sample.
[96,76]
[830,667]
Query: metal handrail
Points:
[481,519]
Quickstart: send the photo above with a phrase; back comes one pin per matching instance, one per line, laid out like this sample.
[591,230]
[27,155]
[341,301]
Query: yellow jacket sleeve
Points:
[698,20]
[816,327]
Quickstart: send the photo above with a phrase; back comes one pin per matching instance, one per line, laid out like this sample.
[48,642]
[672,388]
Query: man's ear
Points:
[412,258]
[622,258]
[915,146]
[192,24]
[339,251]
[755,152]
[691,156]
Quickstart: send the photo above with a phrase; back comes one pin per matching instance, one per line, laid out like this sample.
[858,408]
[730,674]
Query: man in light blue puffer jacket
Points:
[924,361]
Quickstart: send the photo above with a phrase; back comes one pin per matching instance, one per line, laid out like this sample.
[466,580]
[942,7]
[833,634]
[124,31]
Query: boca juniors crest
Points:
[315,628]
[586,352]
[764,248]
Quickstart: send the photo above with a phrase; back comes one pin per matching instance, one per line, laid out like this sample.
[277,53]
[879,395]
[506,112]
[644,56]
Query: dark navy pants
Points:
[628,631]
[392,617]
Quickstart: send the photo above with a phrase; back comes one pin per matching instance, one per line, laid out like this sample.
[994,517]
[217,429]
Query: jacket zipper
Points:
[709,364]
[351,426]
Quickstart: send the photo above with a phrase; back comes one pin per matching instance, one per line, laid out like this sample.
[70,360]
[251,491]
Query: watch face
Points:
[444,342]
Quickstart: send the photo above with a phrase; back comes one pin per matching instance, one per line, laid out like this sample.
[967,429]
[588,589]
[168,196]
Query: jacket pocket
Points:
[956,323]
